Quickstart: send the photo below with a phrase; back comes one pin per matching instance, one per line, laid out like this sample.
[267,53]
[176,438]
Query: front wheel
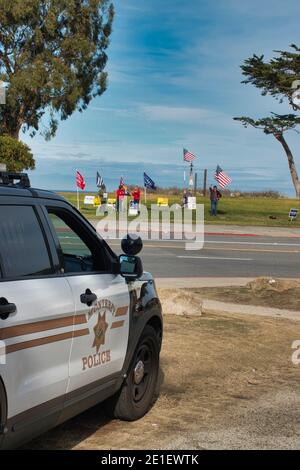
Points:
[138,392]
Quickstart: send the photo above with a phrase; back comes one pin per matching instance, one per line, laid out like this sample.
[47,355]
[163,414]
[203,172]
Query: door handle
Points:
[6,308]
[88,297]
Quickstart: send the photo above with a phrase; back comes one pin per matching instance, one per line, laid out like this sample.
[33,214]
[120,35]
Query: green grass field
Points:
[232,211]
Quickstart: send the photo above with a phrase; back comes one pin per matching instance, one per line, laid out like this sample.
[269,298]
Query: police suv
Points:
[78,324]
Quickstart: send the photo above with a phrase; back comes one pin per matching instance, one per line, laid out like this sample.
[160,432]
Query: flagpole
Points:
[191,176]
[77,198]
[77,191]
[145,195]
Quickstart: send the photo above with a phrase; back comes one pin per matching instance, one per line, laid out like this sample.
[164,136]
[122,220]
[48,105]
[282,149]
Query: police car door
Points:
[36,332]
[101,302]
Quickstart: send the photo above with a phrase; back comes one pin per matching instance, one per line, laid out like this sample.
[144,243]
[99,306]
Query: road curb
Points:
[237,230]
[232,234]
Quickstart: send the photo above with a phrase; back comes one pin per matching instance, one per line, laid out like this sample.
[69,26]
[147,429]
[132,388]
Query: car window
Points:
[23,249]
[78,252]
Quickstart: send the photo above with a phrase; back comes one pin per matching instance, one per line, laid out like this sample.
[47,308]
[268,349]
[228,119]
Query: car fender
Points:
[145,309]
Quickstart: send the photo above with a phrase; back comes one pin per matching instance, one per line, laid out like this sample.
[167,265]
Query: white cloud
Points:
[177,114]
[169,113]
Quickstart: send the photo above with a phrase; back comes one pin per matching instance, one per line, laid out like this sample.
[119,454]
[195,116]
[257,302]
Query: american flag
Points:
[80,183]
[122,181]
[221,177]
[188,156]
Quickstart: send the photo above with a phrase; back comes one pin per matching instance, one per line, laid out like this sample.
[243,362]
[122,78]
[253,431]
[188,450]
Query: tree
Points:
[52,58]
[279,78]
[277,125]
[16,155]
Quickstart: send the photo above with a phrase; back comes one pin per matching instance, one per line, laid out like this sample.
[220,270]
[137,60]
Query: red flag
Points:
[80,183]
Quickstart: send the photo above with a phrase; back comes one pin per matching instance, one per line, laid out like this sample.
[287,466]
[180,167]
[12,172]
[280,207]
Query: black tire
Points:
[3,411]
[135,398]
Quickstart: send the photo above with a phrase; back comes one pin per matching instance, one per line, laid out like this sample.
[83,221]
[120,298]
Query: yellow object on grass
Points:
[163,201]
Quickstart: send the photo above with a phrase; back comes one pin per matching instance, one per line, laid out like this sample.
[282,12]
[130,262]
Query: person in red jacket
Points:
[136,197]
[120,198]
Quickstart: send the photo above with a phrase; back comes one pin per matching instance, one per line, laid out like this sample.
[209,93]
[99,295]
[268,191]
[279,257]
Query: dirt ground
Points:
[227,382]
[264,292]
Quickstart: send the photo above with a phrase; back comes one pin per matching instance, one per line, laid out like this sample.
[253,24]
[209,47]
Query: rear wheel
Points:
[3,412]
[138,392]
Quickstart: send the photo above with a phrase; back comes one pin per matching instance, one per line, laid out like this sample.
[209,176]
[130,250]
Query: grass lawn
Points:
[289,299]
[232,211]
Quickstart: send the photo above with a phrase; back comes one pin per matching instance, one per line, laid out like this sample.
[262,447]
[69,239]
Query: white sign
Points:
[293,213]
[296,94]
[133,211]
[191,203]
[2,92]
[89,200]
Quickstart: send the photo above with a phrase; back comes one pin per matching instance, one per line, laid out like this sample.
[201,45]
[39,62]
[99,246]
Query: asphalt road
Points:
[222,256]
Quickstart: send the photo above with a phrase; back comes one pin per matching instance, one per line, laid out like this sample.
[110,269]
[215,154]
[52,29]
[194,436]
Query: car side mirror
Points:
[132,244]
[131,267]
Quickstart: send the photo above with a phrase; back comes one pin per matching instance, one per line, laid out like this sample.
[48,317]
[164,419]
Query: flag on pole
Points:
[188,156]
[221,177]
[148,182]
[80,183]
[122,181]
[99,180]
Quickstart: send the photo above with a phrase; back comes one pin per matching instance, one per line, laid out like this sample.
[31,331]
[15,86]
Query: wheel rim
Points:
[142,372]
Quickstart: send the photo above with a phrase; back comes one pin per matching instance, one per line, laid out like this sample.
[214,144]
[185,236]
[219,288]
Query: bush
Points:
[16,155]
[271,194]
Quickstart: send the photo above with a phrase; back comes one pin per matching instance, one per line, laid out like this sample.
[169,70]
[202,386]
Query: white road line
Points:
[215,242]
[226,242]
[214,258]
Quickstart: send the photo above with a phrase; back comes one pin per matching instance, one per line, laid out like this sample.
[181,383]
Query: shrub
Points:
[15,154]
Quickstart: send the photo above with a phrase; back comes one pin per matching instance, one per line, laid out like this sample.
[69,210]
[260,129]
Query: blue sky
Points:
[174,82]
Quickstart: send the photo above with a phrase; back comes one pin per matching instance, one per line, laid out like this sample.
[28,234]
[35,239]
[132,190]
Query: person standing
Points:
[120,198]
[185,199]
[136,194]
[215,195]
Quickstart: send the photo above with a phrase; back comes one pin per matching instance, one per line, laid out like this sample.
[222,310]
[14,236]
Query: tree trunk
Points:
[15,131]
[15,134]
[291,162]
[12,131]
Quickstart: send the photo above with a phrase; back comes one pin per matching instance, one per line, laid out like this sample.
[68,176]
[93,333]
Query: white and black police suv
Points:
[78,324]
